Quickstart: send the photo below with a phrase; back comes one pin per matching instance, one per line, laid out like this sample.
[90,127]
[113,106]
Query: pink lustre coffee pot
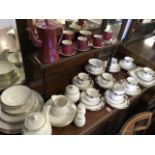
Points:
[46,35]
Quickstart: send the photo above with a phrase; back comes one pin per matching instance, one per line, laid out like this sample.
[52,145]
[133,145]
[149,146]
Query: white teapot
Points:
[38,123]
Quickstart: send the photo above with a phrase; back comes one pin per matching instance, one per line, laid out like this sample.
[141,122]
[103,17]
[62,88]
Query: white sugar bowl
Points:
[72,92]
[80,120]
[81,108]
[38,123]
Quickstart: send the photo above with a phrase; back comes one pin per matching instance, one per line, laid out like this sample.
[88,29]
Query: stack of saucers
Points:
[144,75]
[16,103]
[92,99]
[9,74]
[116,97]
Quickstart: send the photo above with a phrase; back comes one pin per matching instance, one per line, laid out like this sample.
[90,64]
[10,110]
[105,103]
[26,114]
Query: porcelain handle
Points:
[46,111]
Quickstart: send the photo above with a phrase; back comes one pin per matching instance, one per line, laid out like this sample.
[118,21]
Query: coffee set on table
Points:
[22,109]
[83,41]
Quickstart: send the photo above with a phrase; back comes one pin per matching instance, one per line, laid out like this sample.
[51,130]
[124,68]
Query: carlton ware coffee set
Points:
[51,40]
[22,110]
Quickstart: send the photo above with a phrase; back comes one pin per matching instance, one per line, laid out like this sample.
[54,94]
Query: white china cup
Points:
[128,61]
[83,78]
[118,92]
[131,84]
[92,95]
[96,64]
[147,73]
[106,78]
[60,106]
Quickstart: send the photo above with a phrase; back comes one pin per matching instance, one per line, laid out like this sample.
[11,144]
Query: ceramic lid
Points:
[72,89]
[35,121]
[5,67]
[16,95]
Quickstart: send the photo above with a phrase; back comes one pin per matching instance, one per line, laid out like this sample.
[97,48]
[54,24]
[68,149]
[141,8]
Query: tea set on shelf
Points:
[23,110]
[65,42]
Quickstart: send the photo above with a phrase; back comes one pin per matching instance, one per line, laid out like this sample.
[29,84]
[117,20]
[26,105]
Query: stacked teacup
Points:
[127,63]
[82,81]
[131,86]
[95,66]
[106,80]
[116,97]
[92,99]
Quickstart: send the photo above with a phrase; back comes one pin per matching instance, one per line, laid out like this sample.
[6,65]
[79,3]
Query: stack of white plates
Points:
[16,103]
[9,74]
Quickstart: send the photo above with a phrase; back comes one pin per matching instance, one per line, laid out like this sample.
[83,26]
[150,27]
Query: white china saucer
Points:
[135,92]
[108,85]
[64,119]
[99,72]
[89,103]
[20,118]
[95,107]
[111,41]
[83,86]
[112,103]
[140,81]
[125,67]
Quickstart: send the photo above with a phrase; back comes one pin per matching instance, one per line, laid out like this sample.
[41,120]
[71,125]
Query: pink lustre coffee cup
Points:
[68,35]
[87,34]
[107,35]
[67,47]
[82,43]
[97,40]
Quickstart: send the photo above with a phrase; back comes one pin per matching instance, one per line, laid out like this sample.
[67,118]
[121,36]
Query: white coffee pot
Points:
[38,123]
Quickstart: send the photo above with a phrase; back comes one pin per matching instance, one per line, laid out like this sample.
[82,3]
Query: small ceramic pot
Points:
[73,93]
